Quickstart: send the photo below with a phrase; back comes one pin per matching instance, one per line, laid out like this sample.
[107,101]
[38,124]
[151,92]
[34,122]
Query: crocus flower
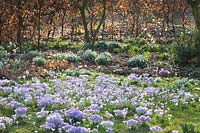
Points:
[21,112]
[131,123]
[74,114]
[156,129]
[96,118]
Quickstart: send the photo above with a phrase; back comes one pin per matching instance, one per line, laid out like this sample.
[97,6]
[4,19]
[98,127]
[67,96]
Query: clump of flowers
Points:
[141,110]
[77,130]
[131,123]
[121,113]
[164,72]
[108,125]
[2,126]
[45,101]
[53,121]
[6,119]
[21,112]
[74,114]
[156,129]
[95,119]
[13,104]
[66,127]
[42,113]
[133,77]
[143,118]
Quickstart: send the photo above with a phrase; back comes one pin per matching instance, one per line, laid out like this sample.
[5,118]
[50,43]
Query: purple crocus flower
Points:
[14,104]
[66,127]
[109,130]
[133,77]
[141,110]
[122,113]
[107,124]
[156,128]
[53,121]
[2,126]
[74,114]
[131,123]
[96,118]
[77,130]
[42,113]
[143,118]
[21,112]
[6,120]
[164,72]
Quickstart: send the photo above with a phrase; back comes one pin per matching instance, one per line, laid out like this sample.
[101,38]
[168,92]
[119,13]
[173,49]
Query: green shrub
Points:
[113,45]
[146,47]
[58,56]
[3,56]
[58,43]
[26,47]
[183,53]
[101,45]
[32,54]
[1,64]
[3,53]
[147,54]
[156,48]
[89,55]
[197,46]
[164,56]
[72,58]
[184,48]
[187,128]
[16,64]
[39,61]
[116,50]
[87,46]
[133,50]
[137,61]
[139,41]
[104,58]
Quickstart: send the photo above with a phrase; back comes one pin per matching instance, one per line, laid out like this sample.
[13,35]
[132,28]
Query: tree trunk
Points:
[72,30]
[85,23]
[103,29]
[195,5]
[103,17]
[62,28]
[62,24]
[1,25]
[39,24]
[20,23]
[54,30]
[94,32]
[49,22]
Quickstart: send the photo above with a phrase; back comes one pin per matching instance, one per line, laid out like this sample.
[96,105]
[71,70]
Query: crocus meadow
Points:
[89,104]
